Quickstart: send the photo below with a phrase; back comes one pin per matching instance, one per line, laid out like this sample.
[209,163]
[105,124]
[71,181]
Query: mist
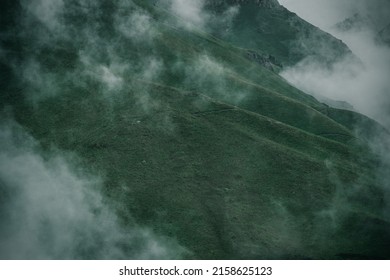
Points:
[52,208]
[190,11]
[324,14]
[362,82]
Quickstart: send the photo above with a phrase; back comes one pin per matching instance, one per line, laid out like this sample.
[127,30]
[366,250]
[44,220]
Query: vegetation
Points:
[199,142]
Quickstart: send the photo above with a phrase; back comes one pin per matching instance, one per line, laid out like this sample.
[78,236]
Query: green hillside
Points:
[194,139]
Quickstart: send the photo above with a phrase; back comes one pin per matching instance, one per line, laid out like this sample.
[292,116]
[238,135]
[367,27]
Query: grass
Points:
[235,165]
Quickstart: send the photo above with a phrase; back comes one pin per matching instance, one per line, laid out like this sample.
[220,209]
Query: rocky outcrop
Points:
[266,60]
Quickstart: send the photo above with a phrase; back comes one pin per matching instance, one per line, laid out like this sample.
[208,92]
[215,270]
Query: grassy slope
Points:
[262,176]
[265,91]
[226,182]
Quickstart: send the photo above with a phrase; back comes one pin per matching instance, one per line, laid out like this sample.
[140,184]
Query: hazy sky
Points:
[326,13]
[318,12]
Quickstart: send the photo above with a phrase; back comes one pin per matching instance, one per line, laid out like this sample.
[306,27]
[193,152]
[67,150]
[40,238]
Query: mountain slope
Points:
[272,29]
[191,138]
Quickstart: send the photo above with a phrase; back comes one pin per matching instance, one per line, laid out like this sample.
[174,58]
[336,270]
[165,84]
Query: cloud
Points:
[149,70]
[46,11]
[380,145]
[137,27]
[365,85]
[109,78]
[107,49]
[62,50]
[51,208]
[325,14]
[190,11]
[318,12]
[227,16]
[205,72]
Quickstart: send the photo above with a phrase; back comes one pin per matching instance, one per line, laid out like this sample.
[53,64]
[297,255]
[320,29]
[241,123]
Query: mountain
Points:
[268,27]
[192,131]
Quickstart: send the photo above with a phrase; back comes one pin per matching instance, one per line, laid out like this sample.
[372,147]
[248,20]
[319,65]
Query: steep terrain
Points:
[191,129]
[270,28]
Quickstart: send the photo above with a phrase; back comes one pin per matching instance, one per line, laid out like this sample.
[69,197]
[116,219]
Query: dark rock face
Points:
[266,60]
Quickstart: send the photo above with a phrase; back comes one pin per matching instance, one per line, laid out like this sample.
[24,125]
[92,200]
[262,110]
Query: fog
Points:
[364,84]
[190,11]
[363,81]
[52,208]
[325,14]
